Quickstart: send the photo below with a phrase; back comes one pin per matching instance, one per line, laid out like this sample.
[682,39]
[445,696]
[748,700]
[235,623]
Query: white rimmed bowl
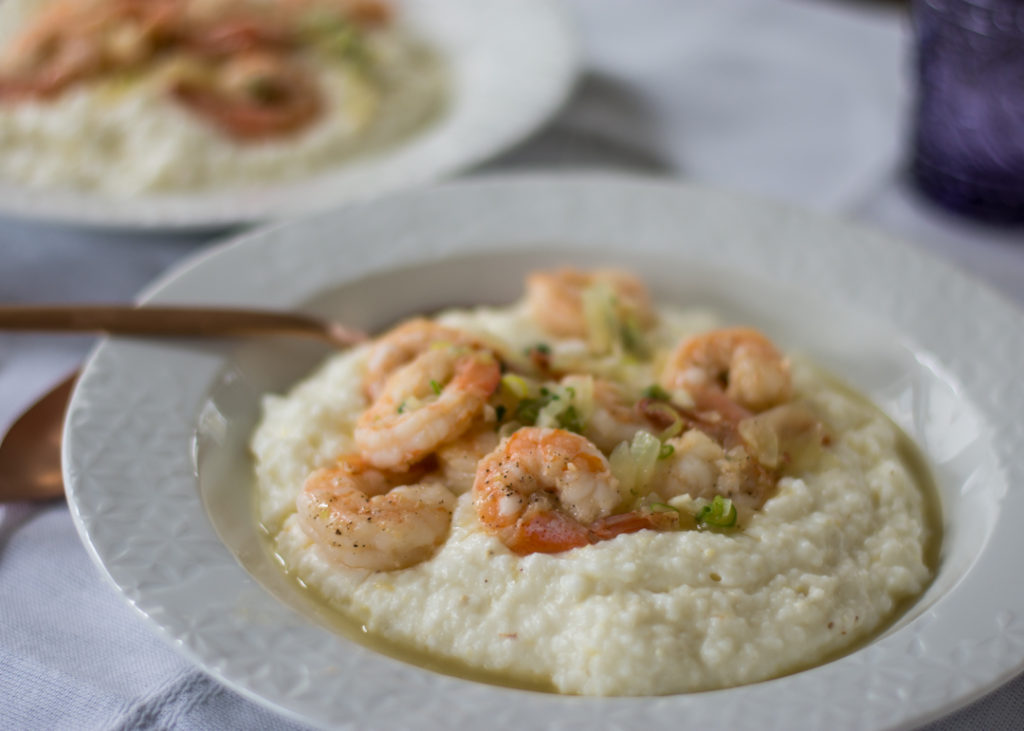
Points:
[159,476]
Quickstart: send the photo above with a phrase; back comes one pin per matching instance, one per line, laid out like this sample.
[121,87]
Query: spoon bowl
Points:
[30,451]
[30,467]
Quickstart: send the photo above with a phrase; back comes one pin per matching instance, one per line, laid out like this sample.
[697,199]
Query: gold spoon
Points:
[30,451]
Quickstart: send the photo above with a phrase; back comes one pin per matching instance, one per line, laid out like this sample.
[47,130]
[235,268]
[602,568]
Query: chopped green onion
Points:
[644,449]
[632,336]
[401,407]
[663,508]
[600,316]
[516,385]
[720,513]
[633,463]
[435,386]
[570,419]
[665,414]
[528,410]
[621,464]
[666,451]
[655,391]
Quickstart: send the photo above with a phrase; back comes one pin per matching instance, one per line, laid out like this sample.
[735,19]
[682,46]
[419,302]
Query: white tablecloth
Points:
[802,101]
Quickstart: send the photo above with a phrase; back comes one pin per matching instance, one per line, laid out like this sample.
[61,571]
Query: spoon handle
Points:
[179,321]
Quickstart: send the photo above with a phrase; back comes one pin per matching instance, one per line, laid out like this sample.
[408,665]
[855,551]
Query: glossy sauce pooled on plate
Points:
[585,492]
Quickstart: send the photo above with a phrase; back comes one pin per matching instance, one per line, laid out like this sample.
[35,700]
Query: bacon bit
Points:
[509,635]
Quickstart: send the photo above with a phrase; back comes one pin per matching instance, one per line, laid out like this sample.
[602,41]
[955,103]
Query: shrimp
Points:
[430,401]
[73,41]
[359,518]
[615,417]
[252,95]
[362,12]
[458,460]
[701,468]
[549,490]
[555,299]
[245,78]
[741,362]
[403,343]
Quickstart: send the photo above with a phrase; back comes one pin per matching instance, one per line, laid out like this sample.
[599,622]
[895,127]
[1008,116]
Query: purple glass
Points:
[969,136]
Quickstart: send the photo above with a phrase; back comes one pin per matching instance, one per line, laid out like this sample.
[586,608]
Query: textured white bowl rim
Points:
[132,487]
[504,103]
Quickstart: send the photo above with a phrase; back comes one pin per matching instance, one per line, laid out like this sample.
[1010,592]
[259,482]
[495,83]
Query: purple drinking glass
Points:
[969,133]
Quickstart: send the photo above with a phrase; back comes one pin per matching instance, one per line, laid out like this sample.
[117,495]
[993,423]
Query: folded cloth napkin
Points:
[74,655]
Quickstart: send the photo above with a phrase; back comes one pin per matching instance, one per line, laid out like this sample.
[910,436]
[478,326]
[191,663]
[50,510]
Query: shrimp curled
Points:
[426,403]
[549,490]
[402,344]
[741,362]
[555,299]
[357,521]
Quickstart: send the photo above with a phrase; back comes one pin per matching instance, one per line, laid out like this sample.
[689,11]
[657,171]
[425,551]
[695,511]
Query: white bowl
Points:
[159,476]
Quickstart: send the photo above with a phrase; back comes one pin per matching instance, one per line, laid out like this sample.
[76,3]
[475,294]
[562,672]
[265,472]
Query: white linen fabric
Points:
[801,101]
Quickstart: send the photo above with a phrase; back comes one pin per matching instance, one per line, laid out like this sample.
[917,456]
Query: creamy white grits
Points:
[124,136]
[821,567]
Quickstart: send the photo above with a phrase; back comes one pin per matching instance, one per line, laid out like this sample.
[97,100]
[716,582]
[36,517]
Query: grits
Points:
[124,135]
[820,567]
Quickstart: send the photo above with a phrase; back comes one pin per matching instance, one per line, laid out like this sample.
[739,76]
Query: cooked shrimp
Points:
[784,437]
[358,519]
[430,401]
[741,362]
[246,78]
[363,12]
[401,344]
[72,41]
[555,299]
[253,95]
[614,418]
[458,460]
[701,468]
[549,490]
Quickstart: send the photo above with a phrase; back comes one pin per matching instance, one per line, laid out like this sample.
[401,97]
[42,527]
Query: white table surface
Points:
[727,93]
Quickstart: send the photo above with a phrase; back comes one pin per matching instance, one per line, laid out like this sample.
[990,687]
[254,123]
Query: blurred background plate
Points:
[512,64]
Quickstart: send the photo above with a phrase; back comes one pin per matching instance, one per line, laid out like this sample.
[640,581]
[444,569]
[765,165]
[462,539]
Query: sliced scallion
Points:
[655,391]
[720,513]
[516,385]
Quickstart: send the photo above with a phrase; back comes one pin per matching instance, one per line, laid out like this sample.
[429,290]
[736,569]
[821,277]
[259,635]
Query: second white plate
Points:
[512,63]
